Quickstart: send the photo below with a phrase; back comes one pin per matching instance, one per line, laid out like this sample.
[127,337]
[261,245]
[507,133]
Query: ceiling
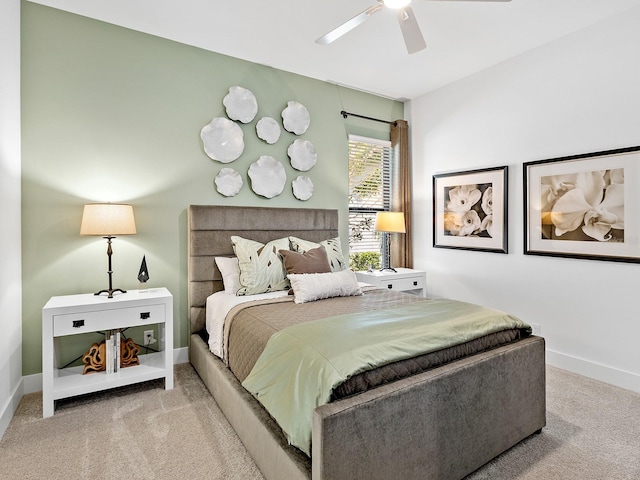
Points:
[462,37]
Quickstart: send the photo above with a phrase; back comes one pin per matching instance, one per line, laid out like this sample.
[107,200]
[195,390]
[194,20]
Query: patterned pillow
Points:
[332,246]
[261,267]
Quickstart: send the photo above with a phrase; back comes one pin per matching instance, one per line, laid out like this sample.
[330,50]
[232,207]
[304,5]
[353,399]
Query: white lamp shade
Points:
[108,219]
[392,222]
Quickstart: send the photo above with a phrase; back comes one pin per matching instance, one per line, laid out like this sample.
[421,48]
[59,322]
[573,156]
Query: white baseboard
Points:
[10,407]
[180,355]
[597,371]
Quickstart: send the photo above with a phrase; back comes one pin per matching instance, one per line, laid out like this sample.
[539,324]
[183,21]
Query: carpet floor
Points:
[145,432]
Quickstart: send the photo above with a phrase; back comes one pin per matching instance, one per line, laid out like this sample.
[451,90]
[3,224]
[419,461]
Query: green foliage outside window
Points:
[363,260]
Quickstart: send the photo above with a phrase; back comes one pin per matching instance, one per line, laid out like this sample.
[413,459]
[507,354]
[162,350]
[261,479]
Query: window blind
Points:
[369,190]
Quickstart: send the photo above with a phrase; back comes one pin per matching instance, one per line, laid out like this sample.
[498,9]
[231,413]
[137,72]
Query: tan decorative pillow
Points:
[313,261]
[332,246]
[261,267]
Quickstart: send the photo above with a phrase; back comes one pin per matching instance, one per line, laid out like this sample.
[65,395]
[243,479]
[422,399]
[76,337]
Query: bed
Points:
[443,423]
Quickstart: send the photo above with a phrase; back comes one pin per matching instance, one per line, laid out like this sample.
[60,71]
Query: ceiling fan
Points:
[413,38]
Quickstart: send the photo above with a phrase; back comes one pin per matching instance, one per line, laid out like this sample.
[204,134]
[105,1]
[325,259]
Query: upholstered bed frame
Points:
[441,424]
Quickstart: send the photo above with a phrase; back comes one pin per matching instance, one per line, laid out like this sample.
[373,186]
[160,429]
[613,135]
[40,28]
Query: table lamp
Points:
[389,222]
[108,220]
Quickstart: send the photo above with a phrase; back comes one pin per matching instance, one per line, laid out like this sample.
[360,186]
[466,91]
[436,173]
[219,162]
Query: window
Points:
[369,192]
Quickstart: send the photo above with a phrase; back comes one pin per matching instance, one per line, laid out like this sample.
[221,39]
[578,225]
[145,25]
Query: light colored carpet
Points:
[145,432]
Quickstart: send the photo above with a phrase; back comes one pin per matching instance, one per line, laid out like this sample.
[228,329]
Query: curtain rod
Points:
[346,114]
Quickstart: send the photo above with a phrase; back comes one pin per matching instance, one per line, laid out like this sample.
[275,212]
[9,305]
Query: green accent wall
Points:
[111,114]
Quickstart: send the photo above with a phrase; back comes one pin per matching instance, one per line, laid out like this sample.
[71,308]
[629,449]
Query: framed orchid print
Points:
[470,210]
[584,206]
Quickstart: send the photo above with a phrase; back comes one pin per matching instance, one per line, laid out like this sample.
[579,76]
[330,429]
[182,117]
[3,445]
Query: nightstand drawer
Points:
[402,280]
[81,322]
[402,284]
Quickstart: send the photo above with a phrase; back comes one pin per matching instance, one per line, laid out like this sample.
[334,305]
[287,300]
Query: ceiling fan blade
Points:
[413,38]
[349,25]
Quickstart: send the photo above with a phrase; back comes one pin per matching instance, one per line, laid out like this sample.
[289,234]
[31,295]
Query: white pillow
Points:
[261,267]
[230,271]
[332,246]
[308,287]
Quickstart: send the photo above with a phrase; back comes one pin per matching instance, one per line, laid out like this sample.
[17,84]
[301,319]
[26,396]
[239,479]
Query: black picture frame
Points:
[578,207]
[470,210]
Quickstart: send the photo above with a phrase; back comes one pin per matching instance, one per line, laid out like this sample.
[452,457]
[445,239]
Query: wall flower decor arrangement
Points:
[584,206]
[470,210]
[223,141]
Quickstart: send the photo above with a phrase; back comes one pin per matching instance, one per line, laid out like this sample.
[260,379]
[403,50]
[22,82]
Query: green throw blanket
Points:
[302,364]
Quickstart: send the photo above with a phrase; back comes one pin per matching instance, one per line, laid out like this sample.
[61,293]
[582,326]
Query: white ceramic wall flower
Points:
[268,176]
[241,104]
[268,130]
[302,187]
[302,154]
[228,182]
[296,118]
[223,140]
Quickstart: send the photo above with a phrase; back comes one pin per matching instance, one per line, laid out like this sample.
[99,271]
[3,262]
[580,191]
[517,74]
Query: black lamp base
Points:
[388,267]
[110,291]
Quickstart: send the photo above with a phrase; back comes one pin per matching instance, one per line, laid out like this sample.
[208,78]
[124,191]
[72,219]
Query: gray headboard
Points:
[210,228]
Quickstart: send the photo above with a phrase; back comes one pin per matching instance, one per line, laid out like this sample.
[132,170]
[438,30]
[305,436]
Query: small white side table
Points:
[403,280]
[75,314]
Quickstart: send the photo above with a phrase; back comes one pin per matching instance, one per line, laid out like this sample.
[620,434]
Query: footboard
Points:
[442,424]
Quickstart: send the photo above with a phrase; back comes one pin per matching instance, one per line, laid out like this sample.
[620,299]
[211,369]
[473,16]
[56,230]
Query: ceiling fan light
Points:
[396,4]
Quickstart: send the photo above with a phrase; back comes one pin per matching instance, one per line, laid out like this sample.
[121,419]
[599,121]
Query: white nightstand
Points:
[403,280]
[84,313]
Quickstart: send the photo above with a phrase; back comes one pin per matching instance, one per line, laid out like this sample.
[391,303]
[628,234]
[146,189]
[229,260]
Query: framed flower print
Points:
[470,210]
[584,206]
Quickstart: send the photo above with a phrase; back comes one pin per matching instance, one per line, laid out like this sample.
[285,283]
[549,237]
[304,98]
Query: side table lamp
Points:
[389,222]
[108,220]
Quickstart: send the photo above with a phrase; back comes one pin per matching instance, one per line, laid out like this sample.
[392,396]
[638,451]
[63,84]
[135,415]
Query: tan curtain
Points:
[401,251]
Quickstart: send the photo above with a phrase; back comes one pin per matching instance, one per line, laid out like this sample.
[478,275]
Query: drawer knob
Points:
[415,283]
[390,286]
[78,323]
[145,315]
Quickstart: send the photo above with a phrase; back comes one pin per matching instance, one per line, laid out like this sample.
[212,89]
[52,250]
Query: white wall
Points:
[10,273]
[579,94]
